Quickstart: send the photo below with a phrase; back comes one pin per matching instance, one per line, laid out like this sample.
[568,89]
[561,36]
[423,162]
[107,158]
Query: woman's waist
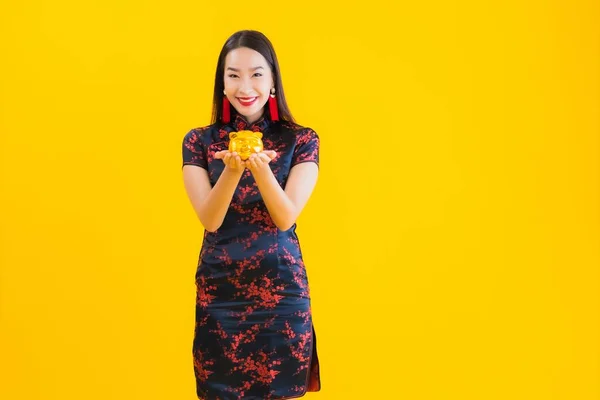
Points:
[253,230]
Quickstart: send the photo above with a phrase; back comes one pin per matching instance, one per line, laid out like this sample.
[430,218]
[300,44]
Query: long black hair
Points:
[256,41]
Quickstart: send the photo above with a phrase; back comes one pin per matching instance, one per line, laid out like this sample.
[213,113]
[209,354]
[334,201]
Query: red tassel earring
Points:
[273,106]
[226,111]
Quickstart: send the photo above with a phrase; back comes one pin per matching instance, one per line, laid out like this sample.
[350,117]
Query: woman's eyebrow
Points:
[237,70]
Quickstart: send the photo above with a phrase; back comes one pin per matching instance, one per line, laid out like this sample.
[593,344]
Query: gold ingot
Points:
[245,143]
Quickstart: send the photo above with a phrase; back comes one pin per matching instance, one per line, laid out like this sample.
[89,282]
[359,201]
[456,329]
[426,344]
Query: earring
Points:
[273,106]
[226,111]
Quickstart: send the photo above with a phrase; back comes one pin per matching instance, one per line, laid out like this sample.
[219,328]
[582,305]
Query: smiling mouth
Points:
[246,101]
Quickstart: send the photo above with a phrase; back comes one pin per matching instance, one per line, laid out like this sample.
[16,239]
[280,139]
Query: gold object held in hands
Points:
[245,143]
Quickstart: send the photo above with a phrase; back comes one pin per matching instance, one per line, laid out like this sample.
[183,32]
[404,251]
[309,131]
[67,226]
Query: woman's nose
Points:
[245,87]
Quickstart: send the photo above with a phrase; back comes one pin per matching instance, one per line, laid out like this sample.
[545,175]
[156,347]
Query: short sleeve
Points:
[193,152]
[307,148]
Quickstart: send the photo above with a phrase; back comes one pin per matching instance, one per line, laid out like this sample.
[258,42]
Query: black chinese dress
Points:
[254,336]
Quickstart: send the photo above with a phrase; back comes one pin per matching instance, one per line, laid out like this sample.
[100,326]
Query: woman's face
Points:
[248,82]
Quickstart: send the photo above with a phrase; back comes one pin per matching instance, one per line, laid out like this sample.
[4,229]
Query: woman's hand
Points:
[258,163]
[232,160]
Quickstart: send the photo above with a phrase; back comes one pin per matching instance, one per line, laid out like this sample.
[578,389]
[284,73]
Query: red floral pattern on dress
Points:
[253,337]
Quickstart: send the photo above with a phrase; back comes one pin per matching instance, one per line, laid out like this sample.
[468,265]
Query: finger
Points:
[227,159]
[219,154]
[253,165]
[258,160]
[264,158]
[271,153]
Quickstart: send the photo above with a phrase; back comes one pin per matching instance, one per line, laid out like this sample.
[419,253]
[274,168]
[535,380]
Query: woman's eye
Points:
[235,76]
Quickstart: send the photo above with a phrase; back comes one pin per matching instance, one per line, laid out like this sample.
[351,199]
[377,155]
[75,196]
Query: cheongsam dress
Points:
[254,335]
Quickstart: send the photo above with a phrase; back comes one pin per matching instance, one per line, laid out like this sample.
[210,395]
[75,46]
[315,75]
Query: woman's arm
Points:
[285,206]
[211,203]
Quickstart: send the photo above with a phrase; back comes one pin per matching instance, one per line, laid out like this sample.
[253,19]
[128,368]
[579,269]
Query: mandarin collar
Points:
[240,123]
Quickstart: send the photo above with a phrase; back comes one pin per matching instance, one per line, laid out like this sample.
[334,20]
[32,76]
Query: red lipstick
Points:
[247,101]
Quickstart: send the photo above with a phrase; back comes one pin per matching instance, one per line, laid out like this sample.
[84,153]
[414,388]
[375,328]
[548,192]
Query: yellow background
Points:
[452,242]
